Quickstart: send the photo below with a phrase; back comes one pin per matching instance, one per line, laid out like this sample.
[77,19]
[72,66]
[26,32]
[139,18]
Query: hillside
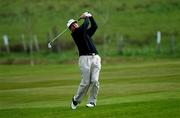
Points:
[125,28]
[138,19]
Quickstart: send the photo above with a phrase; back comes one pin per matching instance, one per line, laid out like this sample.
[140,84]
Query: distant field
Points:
[138,89]
[137,19]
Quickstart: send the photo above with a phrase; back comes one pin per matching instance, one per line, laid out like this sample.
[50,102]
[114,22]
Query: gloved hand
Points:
[87,14]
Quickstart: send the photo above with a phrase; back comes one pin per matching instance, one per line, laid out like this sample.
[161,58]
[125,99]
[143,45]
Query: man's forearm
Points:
[85,24]
[93,22]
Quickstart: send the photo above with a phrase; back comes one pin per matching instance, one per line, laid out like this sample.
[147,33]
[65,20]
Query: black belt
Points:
[89,54]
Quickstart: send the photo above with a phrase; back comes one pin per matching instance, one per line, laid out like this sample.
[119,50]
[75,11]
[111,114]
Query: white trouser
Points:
[90,67]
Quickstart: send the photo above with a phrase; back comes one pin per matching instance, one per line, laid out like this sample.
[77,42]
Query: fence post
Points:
[6,43]
[23,43]
[31,51]
[120,45]
[36,43]
[158,42]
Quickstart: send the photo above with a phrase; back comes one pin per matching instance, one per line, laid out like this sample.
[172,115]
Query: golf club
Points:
[49,44]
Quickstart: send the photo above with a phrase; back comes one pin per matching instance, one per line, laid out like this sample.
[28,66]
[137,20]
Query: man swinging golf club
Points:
[89,60]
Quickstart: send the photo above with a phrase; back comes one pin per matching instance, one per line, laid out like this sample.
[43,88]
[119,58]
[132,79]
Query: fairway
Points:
[136,89]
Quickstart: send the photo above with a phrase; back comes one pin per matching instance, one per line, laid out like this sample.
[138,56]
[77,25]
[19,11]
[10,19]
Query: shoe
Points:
[90,105]
[74,104]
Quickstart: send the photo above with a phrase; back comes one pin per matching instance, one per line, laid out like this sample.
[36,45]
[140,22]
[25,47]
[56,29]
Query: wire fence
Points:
[123,45]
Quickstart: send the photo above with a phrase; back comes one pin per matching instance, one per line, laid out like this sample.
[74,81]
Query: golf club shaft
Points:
[58,35]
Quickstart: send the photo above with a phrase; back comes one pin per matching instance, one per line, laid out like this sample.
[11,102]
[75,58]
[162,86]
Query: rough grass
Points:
[137,19]
[135,89]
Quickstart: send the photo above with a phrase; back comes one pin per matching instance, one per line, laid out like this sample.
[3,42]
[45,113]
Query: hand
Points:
[85,14]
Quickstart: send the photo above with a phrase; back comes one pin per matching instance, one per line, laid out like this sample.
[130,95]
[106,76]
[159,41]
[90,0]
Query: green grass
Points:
[157,109]
[129,89]
[136,18]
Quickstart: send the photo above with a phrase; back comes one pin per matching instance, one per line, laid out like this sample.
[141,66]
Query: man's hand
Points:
[85,14]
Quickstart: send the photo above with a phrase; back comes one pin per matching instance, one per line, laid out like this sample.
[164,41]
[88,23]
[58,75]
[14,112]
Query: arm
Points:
[93,27]
[85,25]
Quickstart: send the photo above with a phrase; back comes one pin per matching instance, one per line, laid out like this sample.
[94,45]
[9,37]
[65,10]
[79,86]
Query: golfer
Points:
[89,60]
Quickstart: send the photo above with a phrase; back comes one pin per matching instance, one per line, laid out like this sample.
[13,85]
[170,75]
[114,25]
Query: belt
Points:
[93,54]
[89,54]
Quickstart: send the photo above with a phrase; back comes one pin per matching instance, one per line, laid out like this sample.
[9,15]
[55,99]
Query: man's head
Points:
[72,25]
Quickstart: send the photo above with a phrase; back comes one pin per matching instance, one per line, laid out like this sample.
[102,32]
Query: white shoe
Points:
[74,104]
[90,105]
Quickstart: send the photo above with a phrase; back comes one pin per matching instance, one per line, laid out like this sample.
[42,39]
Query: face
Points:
[74,26]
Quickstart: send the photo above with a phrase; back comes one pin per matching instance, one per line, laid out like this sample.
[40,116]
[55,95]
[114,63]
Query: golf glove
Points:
[87,14]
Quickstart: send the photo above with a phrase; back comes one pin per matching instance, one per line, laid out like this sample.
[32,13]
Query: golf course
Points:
[133,89]
[45,50]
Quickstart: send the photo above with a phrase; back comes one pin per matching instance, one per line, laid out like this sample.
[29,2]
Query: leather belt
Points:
[89,54]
